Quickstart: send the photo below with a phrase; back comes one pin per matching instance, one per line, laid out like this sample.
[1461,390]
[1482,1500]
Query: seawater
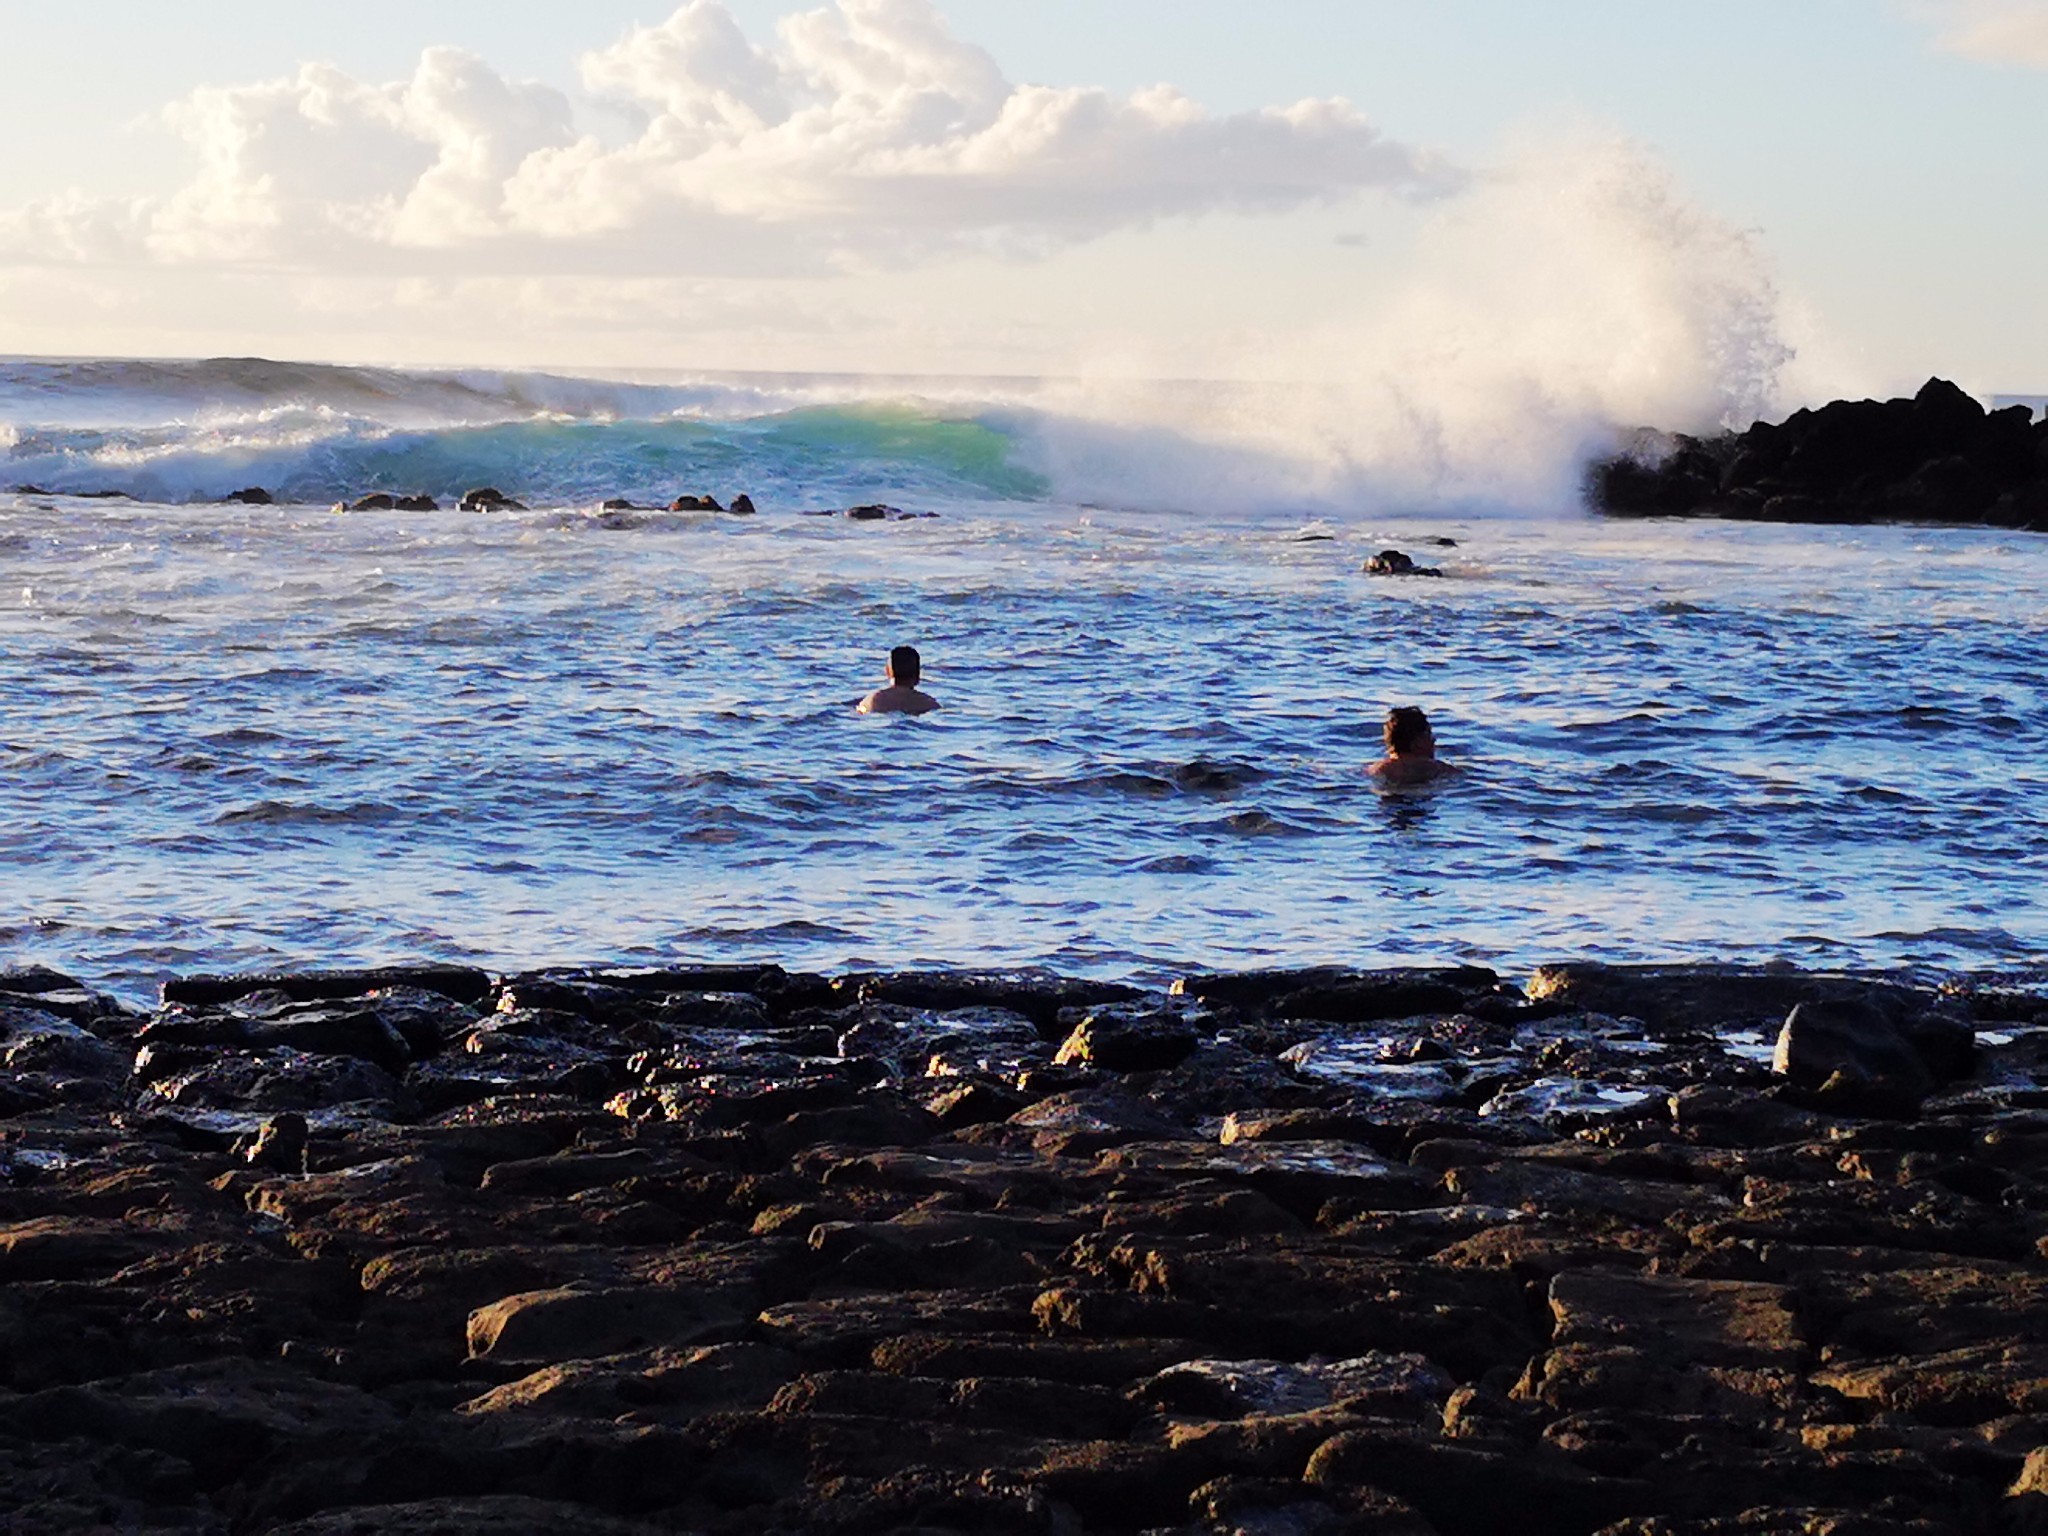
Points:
[244,736]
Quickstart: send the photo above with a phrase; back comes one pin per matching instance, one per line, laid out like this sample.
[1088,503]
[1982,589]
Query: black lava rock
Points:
[1938,457]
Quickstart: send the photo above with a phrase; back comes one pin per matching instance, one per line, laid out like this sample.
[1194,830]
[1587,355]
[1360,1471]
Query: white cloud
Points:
[293,166]
[1994,31]
[864,135]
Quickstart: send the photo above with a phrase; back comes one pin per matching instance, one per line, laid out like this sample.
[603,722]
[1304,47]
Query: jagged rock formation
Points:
[726,1249]
[1939,457]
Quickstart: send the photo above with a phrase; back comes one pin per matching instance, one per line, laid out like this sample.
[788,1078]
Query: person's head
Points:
[1407,732]
[905,666]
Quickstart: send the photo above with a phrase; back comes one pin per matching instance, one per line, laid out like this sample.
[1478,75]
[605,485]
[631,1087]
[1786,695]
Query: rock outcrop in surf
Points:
[488,498]
[1392,562]
[1939,457]
[385,501]
[871,512]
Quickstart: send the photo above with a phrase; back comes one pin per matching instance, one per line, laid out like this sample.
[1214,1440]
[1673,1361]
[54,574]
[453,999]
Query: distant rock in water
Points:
[384,501]
[1213,777]
[1391,562]
[249,496]
[695,504]
[743,504]
[1939,457]
[31,490]
[872,512]
[619,504]
[488,498]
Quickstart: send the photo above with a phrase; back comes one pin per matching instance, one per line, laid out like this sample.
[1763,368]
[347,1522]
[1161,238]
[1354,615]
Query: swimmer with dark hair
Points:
[901,697]
[1411,751]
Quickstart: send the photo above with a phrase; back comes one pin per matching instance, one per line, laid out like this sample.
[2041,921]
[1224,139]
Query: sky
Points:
[1683,211]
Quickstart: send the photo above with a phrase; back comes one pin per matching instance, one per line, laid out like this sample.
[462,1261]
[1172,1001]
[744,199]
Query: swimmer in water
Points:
[1411,751]
[901,697]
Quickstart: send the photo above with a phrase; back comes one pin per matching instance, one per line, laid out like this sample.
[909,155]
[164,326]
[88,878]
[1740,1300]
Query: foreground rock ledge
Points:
[1673,1251]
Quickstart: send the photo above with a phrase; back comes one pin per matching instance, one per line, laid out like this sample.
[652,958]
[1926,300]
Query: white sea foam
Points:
[1572,294]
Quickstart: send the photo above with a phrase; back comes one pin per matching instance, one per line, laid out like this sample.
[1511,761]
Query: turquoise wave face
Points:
[970,453]
[825,455]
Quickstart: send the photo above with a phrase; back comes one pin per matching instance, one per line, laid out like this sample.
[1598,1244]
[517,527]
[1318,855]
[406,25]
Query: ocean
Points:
[238,736]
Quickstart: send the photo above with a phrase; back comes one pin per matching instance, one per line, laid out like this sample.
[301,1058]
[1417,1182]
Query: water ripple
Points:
[514,741]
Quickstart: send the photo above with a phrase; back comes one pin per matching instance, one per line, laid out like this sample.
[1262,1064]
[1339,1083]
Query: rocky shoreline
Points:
[1939,457]
[1646,1251]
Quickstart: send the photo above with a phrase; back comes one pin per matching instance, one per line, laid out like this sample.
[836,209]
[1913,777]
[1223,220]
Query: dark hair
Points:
[1406,726]
[905,666]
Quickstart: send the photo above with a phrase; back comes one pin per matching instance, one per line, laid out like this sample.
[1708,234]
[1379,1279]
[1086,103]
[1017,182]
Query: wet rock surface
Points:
[488,498]
[1644,1251]
[387,501]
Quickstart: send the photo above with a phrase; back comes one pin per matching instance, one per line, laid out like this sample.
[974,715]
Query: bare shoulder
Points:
[896,700]
[1410,771]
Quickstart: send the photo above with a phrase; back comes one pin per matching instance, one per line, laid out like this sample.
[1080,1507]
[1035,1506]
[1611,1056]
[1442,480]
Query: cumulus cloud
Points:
[296,164]
[864,134]
[1994,31]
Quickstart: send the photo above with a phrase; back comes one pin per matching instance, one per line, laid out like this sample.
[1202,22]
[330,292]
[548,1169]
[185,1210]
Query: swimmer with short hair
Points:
[901,697]
[1411,750]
